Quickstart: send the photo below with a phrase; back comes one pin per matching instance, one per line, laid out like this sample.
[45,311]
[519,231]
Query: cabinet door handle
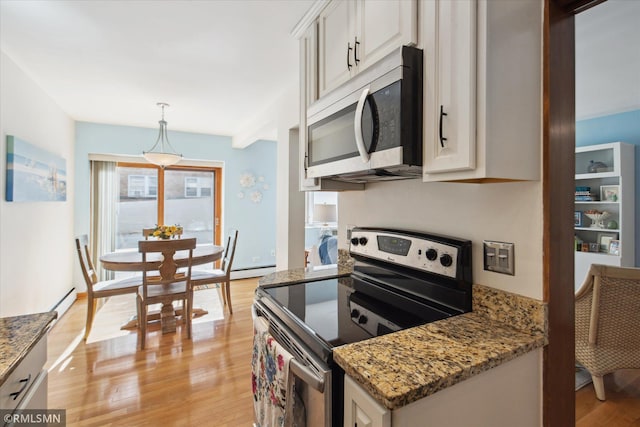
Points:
[442,139]
[15,394]
[349,49]
[355,50]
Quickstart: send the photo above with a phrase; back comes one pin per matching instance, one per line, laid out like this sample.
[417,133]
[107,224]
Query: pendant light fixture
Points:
[157,155]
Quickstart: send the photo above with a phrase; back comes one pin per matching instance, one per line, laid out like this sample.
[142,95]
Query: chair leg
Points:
[142,322]
[228,292]
[598,385]
[91,313]
[188,315]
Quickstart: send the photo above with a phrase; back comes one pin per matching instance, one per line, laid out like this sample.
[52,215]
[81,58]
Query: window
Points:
[139,186]
[197,186]
[148,195]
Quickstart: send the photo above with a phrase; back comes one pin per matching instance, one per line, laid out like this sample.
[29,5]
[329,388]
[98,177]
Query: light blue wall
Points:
[623,127]
[255,222]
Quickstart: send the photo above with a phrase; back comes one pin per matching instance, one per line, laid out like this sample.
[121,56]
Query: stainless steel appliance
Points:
[400,279]
[370,128]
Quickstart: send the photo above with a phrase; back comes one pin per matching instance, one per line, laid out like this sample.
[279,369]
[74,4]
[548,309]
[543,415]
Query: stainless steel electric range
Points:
[400,279]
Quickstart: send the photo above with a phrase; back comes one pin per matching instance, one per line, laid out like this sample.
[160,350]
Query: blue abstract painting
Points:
[34,174]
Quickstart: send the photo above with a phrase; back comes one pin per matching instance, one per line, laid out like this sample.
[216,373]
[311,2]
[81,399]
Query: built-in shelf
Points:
[604,230]
[597,202]
[618,159]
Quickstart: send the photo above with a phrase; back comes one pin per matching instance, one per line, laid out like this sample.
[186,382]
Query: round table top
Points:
[131,260]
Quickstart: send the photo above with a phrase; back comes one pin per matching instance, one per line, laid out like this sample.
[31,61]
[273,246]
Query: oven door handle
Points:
[357,126]
[306,375]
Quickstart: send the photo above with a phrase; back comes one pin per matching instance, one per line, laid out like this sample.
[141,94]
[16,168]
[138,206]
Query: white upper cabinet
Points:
[482,90]
[450,101]
[355,34]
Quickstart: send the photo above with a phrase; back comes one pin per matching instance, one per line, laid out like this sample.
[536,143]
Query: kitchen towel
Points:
[270,376]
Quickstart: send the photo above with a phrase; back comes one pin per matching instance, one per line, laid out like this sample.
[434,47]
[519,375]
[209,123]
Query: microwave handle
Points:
[357,126]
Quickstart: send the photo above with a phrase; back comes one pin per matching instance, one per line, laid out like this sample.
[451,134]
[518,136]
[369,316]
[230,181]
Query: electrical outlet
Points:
[499,257]
[273,252]
[255,259]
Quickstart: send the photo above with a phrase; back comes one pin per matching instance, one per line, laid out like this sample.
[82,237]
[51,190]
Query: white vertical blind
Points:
[104,196]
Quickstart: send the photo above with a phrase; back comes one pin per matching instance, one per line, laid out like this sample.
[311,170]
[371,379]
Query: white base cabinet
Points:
[362,410]
[505,396]
[26,386]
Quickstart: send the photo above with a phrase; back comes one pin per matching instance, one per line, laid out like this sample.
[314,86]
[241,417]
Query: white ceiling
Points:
[219,64]
[608,59]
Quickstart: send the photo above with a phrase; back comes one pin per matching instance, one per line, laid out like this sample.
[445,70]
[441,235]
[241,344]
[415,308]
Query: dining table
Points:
[130,260]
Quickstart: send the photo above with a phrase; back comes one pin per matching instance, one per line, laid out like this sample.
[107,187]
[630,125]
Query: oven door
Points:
[313,378]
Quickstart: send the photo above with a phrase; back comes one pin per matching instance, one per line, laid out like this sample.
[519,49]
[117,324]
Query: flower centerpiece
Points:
[166,231]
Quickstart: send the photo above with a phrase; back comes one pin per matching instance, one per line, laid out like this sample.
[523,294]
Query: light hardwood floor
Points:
[173,382]
[207,381]
[622,407]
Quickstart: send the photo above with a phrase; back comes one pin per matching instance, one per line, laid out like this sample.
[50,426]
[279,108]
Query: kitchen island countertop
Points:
[18,335]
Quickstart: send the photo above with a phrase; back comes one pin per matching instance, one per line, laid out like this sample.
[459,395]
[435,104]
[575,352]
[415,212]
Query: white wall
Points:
[290,201]
[507,212]
[36,238]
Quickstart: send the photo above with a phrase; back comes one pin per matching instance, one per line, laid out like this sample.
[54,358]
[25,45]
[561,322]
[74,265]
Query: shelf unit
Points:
[618,157]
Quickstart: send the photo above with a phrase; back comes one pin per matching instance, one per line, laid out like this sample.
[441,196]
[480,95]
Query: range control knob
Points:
[431,254]
[362,319]
[355,313]
[354,241]
[363,241]
[446,260]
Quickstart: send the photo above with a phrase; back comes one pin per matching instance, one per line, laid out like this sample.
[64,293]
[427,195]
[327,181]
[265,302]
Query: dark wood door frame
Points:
[558,205]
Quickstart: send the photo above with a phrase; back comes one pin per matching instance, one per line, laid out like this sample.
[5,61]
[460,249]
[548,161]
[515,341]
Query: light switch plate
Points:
[499,257]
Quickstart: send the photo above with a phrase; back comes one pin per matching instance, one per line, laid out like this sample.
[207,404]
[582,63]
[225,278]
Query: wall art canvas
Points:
[34,174]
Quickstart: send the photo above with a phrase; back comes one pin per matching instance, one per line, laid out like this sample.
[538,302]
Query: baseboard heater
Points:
[67,300]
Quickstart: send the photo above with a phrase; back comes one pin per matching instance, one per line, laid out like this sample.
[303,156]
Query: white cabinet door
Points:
[450,85]
[381,27]
[336,37]
[482,90]
[355,34]
[361,410]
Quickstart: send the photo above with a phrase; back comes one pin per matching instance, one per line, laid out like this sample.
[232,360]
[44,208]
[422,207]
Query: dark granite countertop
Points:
[18,335]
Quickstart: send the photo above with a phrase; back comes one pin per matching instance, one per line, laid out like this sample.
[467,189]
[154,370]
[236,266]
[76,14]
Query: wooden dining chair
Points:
[166,285]
[220,276]
[99,289]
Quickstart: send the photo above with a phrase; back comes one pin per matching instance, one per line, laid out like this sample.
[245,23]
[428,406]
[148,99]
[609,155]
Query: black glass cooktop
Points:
[346,310]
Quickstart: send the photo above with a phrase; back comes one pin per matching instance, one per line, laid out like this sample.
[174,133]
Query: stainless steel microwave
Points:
[370,128]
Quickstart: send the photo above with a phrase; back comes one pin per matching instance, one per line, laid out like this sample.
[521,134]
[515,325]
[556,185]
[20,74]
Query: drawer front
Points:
[23,376]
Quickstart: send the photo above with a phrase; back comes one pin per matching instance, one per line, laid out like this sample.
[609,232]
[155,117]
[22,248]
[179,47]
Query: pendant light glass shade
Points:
[157,154]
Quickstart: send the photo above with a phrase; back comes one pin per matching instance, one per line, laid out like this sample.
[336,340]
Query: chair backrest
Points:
[610,296]
[86,265]
[167,268]
[229,252]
